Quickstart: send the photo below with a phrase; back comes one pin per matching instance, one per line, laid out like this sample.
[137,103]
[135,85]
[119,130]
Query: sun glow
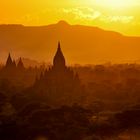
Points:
[114,3]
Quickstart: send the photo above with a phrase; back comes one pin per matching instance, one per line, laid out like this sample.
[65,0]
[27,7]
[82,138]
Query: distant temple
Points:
[13,72]
[11,64]
[59,83]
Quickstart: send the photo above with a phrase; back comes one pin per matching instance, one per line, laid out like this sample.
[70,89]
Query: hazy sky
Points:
[119,15]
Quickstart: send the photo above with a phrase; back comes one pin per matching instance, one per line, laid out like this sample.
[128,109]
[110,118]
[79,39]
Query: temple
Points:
[13,71]
[59,83]
[11,64]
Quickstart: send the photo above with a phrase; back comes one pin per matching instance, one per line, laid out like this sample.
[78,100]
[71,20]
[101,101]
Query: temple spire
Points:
[20,64]
[59,46]
[9,61]
[59,60]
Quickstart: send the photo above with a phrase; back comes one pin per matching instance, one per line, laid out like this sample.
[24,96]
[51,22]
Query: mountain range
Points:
[80,44]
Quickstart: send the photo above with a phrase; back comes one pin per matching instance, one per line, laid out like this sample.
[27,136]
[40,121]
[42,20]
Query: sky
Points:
[117,15]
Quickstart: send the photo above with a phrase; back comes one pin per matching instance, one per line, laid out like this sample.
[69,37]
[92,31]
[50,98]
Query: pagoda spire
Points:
[59,59]
[59,46]
[20,64]
[9,61]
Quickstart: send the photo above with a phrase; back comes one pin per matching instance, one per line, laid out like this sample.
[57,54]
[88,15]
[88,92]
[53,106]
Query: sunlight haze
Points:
[117,15]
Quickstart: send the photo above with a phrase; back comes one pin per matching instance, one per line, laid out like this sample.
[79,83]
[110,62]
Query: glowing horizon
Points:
[117,15]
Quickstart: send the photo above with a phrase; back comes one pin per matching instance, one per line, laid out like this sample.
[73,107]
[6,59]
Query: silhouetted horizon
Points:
[88,45]
[57,101]
[70,70]
[64,22]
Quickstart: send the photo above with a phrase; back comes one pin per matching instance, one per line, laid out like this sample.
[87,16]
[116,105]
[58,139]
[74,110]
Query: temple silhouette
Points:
[14,72]
[11,64]
[59,83]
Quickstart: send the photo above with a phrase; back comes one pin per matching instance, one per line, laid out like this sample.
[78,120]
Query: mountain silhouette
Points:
[80,44]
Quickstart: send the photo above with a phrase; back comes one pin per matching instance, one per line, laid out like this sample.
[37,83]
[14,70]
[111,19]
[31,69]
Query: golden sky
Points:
[118,15]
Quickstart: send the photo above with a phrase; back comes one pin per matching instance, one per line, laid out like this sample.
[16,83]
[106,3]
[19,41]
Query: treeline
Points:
[110,109]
